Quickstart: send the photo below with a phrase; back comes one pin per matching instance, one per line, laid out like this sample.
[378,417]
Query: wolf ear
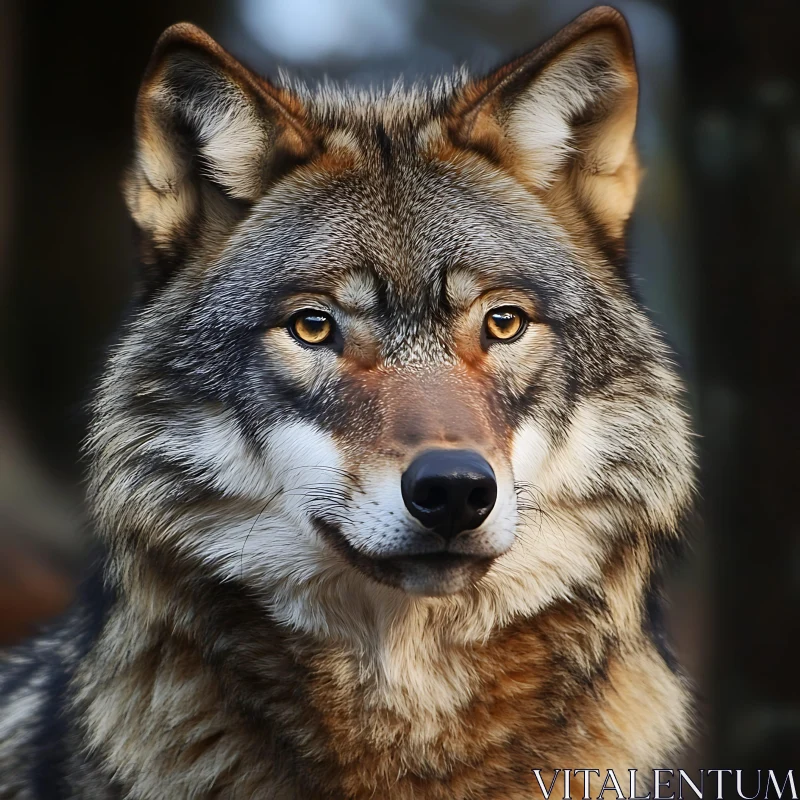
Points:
[210,136]
[564,114]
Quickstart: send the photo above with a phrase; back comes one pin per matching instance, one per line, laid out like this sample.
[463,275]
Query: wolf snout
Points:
[449,491]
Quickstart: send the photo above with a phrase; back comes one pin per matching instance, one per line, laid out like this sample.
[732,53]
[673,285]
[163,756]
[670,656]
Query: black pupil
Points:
[315,324]
[504,320]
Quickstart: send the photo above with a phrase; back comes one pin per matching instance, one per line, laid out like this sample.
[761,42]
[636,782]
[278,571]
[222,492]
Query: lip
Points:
[432,573]
[439,560]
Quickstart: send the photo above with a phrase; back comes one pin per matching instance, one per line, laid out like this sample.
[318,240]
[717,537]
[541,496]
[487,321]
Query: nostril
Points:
[481,498]
[430,497]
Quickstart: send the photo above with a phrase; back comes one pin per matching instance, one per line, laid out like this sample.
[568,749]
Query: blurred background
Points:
[715,249]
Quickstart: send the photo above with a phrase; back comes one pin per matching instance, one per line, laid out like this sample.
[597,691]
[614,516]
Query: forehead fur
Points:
[404,222]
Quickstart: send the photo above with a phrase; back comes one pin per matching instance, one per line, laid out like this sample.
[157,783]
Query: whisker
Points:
[252,528]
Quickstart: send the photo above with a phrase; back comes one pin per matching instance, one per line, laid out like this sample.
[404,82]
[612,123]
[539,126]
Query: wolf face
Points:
[386,349]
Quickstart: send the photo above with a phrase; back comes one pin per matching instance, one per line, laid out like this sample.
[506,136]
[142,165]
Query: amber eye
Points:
[312,327]
[505,324]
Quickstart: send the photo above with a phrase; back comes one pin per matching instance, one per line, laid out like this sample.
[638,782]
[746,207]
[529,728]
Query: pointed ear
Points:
[210,137]
[563,117]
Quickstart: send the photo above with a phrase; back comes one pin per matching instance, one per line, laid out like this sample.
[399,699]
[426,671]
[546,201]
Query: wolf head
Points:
[386,349]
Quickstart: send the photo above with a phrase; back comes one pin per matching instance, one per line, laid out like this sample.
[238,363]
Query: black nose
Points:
[449,490]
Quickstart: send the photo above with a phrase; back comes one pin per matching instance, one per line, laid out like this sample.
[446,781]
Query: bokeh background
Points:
[715,250]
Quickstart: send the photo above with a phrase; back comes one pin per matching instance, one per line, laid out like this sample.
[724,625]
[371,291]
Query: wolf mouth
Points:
[433,573]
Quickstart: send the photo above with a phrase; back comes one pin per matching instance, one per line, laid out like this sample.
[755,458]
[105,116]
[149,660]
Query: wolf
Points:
[387,459]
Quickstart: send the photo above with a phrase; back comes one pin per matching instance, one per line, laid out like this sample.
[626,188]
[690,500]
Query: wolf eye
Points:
[505,324]
[312,327]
